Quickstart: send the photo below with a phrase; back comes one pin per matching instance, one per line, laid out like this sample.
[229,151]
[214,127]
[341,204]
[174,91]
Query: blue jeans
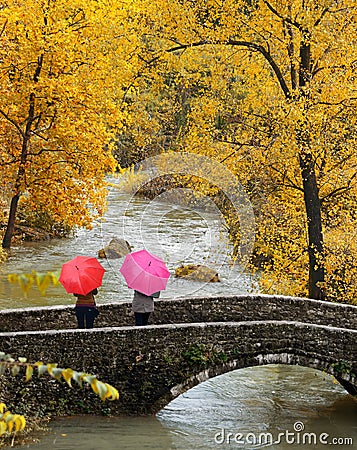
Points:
[85,316]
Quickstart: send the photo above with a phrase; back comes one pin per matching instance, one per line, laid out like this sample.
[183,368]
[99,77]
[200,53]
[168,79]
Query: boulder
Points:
[197,272]
[115,249]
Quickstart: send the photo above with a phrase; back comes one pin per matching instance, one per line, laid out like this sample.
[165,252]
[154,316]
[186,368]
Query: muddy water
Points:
[265,407]
[177,234]
[279,407]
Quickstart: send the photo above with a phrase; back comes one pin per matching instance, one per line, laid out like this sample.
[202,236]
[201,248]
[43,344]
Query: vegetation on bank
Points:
[12,425]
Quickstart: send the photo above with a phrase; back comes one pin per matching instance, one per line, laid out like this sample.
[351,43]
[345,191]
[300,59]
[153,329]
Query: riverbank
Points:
[35,430]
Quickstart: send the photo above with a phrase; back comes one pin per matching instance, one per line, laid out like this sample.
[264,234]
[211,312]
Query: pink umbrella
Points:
[81,275]
[145,272]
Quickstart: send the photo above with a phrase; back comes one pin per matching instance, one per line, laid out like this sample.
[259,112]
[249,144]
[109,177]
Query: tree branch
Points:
[321,17]
[3,28]
[260,49]
[16,125]
[254,47]
[285,19]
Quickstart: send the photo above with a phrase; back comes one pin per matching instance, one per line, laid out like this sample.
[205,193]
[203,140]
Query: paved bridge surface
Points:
[189,341]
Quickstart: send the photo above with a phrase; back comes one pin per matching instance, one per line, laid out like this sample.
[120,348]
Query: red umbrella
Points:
[145,272]
[81,275]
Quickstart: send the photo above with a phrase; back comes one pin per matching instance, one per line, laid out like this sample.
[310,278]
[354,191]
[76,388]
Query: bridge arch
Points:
[262,360]
[231,346]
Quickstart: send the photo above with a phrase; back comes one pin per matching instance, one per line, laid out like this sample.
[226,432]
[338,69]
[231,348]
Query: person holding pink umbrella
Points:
[147,274]
[143,306]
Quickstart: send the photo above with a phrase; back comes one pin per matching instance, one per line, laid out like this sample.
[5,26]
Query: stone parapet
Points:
[188,310]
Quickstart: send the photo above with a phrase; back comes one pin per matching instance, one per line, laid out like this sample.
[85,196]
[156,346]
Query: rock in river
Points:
[115,249]
[197,272]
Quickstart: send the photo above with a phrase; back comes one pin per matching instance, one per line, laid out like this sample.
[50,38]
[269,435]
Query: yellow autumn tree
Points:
[64,64]
[265,87]
[277,104]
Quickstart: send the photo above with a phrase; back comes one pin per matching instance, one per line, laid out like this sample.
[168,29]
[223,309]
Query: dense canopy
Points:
[268,88]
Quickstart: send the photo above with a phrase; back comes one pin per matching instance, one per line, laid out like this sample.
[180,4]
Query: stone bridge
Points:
[189,341]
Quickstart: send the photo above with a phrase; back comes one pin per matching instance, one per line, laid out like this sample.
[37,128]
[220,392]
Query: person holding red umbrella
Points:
[86,310]
[82,276]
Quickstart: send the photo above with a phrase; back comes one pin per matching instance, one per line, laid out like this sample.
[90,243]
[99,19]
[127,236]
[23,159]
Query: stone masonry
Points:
[189,341]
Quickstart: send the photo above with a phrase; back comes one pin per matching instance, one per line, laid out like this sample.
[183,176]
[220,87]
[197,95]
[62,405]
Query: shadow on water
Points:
[271,399]
[102,433]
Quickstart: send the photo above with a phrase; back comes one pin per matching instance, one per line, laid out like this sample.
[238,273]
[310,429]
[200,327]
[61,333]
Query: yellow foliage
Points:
[27,280]
[260,87]
[59,102]
[131,179]
[12,423]
[3,256]
[253,103]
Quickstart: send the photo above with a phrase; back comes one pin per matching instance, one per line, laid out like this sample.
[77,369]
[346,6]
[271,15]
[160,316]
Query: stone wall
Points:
[152,365]
[189,310]
[193,339]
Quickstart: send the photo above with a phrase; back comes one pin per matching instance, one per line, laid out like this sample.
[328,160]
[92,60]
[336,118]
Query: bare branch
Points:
[254,47]
[285,19]
[291,184]
[321,17]
[16,125]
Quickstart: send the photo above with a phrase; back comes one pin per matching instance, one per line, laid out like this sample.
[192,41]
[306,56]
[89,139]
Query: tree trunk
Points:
[311,192]
[314,226]
[26,136]
[6,243]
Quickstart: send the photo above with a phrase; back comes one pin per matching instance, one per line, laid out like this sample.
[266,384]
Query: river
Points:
[279,407]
